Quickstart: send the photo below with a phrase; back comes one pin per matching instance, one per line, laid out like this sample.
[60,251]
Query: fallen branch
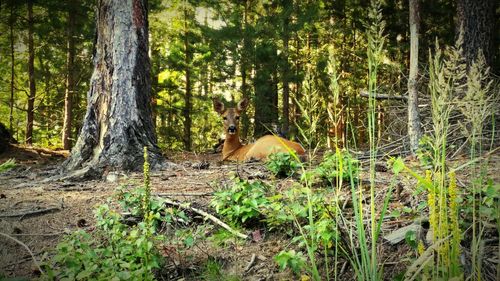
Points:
[250,263]
[365,94]
[206,215]
[26,247]
[31,213]
[184,194]
[419,264]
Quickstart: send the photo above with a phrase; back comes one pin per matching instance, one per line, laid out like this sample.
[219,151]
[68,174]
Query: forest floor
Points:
[39,214]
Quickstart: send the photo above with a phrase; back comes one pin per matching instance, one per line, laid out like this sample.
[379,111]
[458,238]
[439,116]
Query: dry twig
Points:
[250,263]
[26,247]
[208,216]
[31,213]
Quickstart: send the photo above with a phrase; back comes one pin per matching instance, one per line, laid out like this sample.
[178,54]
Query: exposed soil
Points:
[39,214]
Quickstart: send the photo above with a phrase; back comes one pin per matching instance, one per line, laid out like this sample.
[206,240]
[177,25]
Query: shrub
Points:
[333,168]
[113,252]
[242,202]
[7,165]
[283,164]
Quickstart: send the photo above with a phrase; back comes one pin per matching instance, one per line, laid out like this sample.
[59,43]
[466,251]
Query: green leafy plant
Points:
[425,152]
[283,164]
[114,251]
[296,261]
[334,167]
[213,270]
[7,165]
[242,202]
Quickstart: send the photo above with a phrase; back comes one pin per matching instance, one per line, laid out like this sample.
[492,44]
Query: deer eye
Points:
[237,118]
[225,118]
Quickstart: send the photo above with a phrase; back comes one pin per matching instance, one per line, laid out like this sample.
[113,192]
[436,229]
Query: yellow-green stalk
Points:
[147,188]
[425,269]
[454,225]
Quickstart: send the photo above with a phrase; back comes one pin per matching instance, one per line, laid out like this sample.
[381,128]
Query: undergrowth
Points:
[114,250]
[7,165]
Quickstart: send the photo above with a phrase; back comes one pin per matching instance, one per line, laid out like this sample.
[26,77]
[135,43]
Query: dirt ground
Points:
[38,214]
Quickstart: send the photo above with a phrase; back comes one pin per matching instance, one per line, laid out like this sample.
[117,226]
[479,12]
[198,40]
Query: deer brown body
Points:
[261,149]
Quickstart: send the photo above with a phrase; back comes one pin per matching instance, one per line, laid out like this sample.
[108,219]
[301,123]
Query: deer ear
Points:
[243,104]
[218,106]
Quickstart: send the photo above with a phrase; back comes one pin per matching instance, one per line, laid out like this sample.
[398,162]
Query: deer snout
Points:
[231,129]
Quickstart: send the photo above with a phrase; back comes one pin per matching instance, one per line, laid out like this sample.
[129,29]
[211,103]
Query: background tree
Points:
[256,49]
[12,20]
[186,112]
[31,74]
[118,122]
[70,74]
[414,130]
[476,19]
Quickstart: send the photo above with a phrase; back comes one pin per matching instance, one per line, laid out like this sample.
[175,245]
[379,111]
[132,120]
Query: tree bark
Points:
[265,84]
[477,20]
[187,98]
[244,69]
[31,73]
[70,76]
[118,122]
[12,70]
[286,69]
[414,129]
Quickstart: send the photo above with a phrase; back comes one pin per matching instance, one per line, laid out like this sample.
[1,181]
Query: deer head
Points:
[231,116]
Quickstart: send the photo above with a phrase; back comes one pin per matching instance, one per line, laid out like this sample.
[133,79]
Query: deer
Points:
[234,150]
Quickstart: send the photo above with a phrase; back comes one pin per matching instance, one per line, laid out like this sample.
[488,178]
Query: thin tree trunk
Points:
[31,73]
[12,70]
[298,85]
[414,129]
[118,123]
[187,98]
[70,77]
[244,69]
[285,77]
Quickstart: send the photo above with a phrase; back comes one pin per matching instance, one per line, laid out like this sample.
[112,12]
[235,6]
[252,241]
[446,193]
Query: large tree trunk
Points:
[477,19]
[31,73]
[70,76]
[187,98]
[12,70]
[414,130]
[118,121]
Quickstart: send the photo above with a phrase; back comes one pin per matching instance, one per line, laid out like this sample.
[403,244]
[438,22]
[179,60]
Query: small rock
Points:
[203,165]
[399,235]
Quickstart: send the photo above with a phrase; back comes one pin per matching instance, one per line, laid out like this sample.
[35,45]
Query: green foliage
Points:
[296,261]
[7,165]
[411,239]
[443,199]
[213,271]
[283,164]
[242,202]
[425,152]
[50,36]
[113,252]
[222,237]
[291,208]
[131,199]
[485,195]
[334,167]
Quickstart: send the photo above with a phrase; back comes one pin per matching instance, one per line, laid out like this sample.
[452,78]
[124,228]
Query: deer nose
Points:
[231,129]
